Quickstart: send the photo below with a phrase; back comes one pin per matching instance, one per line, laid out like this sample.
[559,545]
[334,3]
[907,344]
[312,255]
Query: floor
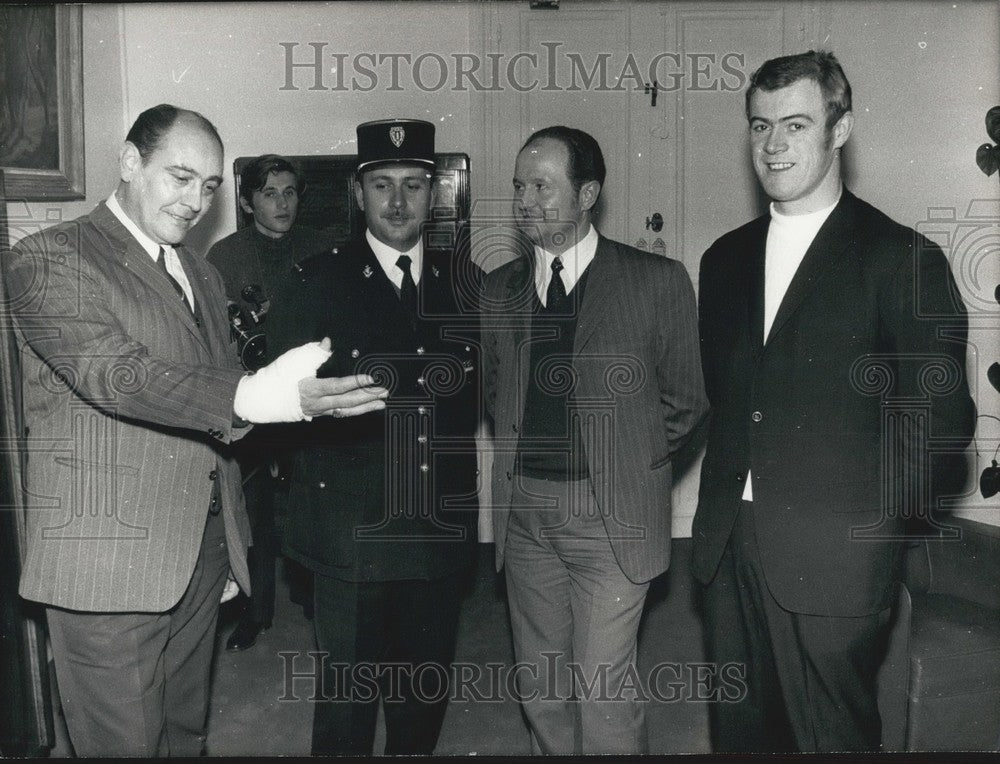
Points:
[259,709]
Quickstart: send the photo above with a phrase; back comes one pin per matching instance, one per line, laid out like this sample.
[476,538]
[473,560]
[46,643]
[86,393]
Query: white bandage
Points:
[272,393]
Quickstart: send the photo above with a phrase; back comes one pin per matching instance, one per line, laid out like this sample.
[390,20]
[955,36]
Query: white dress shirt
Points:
[574,260]
[174,267]
[788,240]
[387,257]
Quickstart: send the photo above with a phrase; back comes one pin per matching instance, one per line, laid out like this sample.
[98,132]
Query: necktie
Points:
[555,297]
[162,262]
[408,290]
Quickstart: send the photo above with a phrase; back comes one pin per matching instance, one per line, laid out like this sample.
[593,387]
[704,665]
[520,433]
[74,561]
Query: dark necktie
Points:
[408,289]
[555,297]
[162,262]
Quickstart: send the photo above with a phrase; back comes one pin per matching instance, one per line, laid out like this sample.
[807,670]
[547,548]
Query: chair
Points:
[939,688]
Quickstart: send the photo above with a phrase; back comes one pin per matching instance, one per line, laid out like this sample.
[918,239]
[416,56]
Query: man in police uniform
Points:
[383,510]
[258,265]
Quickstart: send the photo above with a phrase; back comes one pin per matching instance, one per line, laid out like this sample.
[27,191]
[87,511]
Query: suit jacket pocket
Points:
[87,464]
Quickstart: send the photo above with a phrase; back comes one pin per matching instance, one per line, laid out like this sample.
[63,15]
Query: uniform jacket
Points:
[638,384]
[871,326]
[128,406]
[389,495]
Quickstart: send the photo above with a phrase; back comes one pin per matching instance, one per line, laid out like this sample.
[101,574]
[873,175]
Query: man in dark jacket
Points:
[258,265]
[383,510]
[833,344]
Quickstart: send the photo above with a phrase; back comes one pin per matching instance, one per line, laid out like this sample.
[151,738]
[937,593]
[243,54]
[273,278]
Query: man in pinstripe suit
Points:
[593,380]
[131,392]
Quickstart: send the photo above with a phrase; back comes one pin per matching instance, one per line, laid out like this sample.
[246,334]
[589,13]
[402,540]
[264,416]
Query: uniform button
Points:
[756,416]
[421,439]
[336,250]
[422,410]
[322,484]
[213,475]
[739,477]
[421,381]
[420,350]
[424,468]
[355,353]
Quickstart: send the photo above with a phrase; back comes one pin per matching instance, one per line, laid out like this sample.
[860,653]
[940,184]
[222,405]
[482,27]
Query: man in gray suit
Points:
[131,392]
[593,380]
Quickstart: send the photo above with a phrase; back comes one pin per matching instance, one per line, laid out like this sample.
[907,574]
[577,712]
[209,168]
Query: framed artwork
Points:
[41,101]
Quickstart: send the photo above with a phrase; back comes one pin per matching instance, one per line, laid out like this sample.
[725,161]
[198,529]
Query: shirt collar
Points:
[151,247]
[809,219]
[574,260]
[387,257]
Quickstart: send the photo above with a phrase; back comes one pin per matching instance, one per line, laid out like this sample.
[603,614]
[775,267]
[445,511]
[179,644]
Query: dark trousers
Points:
[375,635]
[259,493]
[136,684]
[810,680]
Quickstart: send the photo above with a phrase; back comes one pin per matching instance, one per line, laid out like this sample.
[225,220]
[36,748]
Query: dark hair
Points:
[821,67]
[149,127]
[586,162]
[254,176]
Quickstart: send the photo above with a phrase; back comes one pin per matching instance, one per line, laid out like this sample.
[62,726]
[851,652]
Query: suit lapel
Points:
[138,261]
[203,301]
[833,237]
[754,279]
[598,297]
[519,302]
[375,284]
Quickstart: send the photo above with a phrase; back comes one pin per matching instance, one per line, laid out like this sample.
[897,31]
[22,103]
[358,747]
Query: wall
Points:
[924,74]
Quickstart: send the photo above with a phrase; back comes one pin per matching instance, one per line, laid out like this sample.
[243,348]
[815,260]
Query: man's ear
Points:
[246,206]
[129,161]
[359,194]
[589,193]
[842,129]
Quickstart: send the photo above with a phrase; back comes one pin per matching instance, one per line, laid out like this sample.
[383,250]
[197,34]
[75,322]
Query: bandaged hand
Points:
[272,393]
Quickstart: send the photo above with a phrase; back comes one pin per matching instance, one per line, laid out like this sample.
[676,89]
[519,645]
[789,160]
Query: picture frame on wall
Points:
[41,102]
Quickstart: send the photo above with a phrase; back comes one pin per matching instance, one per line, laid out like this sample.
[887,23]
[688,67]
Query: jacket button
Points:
[420,350]
[322,484]
[355,353]
[422,410]
[756,416]
[213,475]
[421,381]
[740,477]
[421,439]
[424,468]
